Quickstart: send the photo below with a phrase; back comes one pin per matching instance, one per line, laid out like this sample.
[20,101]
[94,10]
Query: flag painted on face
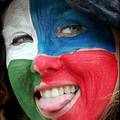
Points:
[45,41]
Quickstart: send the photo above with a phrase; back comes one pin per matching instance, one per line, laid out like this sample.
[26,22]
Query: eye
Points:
[22,39]
[70,30]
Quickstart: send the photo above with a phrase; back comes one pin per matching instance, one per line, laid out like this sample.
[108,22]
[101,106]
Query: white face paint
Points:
[17,22]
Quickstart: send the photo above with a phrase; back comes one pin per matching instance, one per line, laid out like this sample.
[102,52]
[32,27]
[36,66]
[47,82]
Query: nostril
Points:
[50,69]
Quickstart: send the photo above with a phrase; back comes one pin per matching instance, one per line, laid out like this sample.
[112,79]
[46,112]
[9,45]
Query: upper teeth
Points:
[54,92]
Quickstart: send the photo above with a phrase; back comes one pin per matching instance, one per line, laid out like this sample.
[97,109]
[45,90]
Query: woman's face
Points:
[62,64]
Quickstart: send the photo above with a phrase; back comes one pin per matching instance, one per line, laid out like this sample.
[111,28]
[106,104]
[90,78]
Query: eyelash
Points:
[22,39]
[70,30]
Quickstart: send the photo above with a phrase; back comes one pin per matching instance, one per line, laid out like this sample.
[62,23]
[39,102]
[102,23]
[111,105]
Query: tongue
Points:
[54,104]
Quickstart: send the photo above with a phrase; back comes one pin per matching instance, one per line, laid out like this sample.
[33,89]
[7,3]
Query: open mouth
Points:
[55,101]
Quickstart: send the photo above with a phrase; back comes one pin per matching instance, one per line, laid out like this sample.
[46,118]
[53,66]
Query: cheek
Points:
[21,78]
[21,81]
[95,71]
[96,74]
[91,63]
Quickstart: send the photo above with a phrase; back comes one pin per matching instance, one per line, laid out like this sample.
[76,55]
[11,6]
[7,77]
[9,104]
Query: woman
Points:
[60,57]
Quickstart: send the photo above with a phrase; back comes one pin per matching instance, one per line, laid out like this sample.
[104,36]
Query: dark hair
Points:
[105,10]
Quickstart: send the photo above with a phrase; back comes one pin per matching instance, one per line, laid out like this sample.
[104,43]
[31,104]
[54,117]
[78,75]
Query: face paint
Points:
[84,70]
[17,23]
[57,72]
[72,53]
[47,15]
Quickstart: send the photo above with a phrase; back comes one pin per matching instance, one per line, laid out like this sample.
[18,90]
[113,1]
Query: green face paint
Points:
[23,82]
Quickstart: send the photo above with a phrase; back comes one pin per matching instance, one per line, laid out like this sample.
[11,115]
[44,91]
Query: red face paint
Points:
[94,71]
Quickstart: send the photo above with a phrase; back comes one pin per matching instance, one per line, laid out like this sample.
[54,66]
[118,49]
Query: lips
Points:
[52,100]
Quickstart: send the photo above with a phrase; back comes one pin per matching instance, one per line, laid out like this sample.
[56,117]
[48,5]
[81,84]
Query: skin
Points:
[85,57]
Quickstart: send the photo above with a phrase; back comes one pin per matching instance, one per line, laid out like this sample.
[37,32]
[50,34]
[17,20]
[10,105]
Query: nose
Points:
[46,64]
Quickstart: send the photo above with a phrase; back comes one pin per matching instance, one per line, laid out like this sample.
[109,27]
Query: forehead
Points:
[17,18]
[18,11]
[20,14]
[46,7]
[26,13]
[21,10]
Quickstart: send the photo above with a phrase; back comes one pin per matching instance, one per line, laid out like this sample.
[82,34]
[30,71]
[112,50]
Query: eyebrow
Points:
[8,29]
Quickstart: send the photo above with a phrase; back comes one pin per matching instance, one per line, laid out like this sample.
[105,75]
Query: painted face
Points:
[59,60]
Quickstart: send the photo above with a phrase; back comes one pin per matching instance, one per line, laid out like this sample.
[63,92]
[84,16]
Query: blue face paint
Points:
[49,15]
